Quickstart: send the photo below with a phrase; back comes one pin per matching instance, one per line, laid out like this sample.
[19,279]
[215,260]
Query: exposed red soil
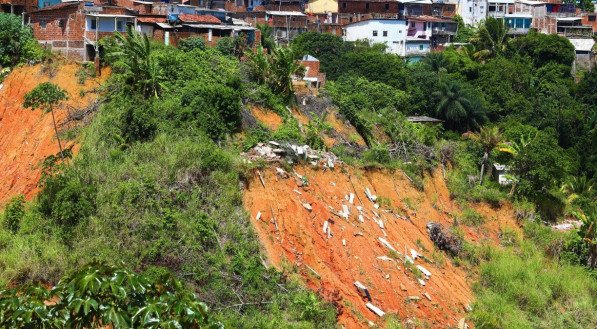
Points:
[293,235]
[269,118]
[345,130]
[26,136]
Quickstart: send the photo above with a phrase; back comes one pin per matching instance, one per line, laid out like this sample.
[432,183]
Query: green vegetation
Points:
[46,96]
[155,186]
[17,44]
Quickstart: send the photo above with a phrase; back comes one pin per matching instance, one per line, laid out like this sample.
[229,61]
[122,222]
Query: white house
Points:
[472,11]
[391,32]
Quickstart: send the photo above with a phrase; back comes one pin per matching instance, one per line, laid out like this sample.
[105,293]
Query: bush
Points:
[13,213]
[16,41]
[192,43]
[377,154]
[471,217]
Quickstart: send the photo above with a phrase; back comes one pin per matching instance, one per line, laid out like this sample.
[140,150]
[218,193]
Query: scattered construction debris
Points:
[370,196]
[258,216]
[291,153]
[307,206]
[363,291]
[375,309]
[427,296]
[386,243]
[424,271]
[414,298]
[567,225]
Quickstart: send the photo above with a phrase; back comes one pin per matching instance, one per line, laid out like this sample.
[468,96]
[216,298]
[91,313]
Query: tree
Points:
[491,38]
[543,48]
[16,41]
[99,295]
[327,48]
[489,138]
[588,232]
[144,72]
[267,36]
[458,106]
[436,61]
[46,96]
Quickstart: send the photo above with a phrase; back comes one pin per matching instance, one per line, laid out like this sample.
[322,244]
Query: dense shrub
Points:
[16,41]
[13,213]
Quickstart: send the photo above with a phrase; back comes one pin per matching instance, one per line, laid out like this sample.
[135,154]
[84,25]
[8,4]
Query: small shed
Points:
[502,173]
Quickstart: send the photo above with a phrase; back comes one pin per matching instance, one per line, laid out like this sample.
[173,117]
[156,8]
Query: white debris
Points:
[307,206]
[298,192]
[424,271]
[386,258]
[407,259]
[370,196]
[414,298]
[380,223]
[258,216]
[344,242]
[375,309]
[427,296]
[414,254]
[281,172]
[360,208]
[386,243]
[326,224]
[330,163]
[345,211]
[361,219]
[274,143]
[422,282]
[376,206]
[351,198]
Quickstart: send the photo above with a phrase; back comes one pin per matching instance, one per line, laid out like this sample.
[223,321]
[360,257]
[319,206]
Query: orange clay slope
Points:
[27,137]
[293,236]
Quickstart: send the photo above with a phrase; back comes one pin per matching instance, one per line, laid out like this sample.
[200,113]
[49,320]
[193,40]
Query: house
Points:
[18,7]
[418,37]
[571,26]
[499,8]
[536,10]
[74,28]
[321,6]
[175,27]
[286,24]
[518,23]
[368,7]
[502,173]
[313,77]
[391,32]
[590,19]
[435,29]
[472,11]
[584,53]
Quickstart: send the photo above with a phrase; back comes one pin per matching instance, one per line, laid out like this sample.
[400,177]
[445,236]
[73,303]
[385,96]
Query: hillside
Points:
[27,137]
[294,240]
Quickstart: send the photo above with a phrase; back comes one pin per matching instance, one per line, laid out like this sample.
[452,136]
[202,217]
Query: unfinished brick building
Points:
[74,28]
[18,7]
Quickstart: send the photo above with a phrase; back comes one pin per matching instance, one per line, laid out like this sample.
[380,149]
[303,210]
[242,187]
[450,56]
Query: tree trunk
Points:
[485,156]
[56,132]
[592,260]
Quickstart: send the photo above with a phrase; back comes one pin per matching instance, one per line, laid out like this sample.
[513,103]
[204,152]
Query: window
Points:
[420,47]
[592,18]
[42,24]
[424,26]
[470,9]
[387,6]
[385,33]
[92,24]
[344,5]
[374,33]
[367,6]
[62,23]
[120,26]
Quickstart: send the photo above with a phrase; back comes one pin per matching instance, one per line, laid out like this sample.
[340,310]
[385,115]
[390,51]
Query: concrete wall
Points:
[322,6]
[472,11]
[394,39]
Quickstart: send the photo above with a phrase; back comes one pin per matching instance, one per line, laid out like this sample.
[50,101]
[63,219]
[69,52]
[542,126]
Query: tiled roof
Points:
[142,19]
[205,19]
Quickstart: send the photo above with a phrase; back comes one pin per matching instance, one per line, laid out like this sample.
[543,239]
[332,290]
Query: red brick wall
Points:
[72,29]
[20,5]
[361,7]
[313,68]
[585,21]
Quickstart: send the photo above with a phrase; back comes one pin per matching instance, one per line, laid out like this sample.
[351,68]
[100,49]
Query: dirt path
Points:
[291,234]
[27,137]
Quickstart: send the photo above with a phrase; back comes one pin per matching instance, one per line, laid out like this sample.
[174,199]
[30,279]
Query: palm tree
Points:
[491,38]
[489,138]
[267,36]
[436,61]
[283,68]
[46,96]
[588,232]
[145,73]
[575,187]
[258,65]
[457,106]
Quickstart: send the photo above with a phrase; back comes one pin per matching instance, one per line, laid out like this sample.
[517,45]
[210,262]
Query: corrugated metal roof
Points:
[583,44]
[285,13]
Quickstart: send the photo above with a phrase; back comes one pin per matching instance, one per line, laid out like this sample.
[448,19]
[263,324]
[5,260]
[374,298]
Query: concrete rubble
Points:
[375,309]
[363,291]
[386,244]
[291,153]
